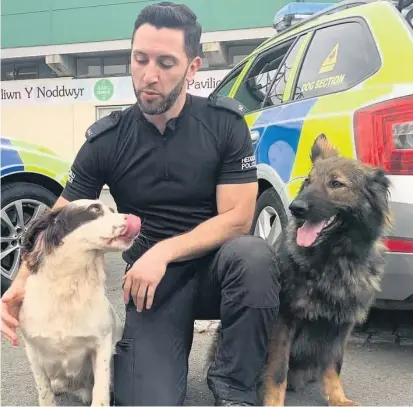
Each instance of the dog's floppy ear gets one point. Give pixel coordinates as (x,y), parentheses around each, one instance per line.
(42,234)
(322,149)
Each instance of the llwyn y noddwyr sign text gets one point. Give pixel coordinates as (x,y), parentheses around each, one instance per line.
(41,92)
(96,91)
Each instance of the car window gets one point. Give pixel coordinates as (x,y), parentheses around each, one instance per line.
(338,58)
(227,83)
(276,92)
(257,82)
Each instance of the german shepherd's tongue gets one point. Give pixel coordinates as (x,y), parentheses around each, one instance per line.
(307,234)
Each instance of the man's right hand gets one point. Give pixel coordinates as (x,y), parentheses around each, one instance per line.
(11,302)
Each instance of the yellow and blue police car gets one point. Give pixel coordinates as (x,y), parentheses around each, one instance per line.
(345,70)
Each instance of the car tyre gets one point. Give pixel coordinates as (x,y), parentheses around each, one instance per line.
(270,217)
(33,199)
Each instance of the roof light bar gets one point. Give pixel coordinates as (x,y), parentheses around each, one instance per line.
(296,11)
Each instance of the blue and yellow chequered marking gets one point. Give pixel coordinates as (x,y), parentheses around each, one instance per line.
(279,143)
(10,158)
(20,156)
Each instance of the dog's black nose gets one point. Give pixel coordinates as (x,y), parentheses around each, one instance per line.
(299,208)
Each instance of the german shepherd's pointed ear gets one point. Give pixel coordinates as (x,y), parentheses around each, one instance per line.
(379,176)
(378,181)
(322,149)
(378,187)
(42,234)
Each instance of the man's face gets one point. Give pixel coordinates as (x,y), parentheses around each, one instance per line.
(160,67)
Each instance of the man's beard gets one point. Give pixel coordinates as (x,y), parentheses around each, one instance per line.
(156,107)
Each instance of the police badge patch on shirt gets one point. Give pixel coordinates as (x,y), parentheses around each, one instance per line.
(71,175)
(248,163)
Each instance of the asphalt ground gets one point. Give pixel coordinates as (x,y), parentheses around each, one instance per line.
(378,365)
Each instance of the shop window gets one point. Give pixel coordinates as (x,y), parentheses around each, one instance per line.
(25,71)
(115,66)
(45,71)
(7,72)
(236,53)
(89,67)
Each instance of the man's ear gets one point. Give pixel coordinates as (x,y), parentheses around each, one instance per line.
(322,149)
(193,68)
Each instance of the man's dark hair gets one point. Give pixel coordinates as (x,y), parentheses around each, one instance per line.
(171,15)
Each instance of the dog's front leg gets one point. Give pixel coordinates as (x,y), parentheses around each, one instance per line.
(277,369)
(332,387)
(101,372)
(45,393)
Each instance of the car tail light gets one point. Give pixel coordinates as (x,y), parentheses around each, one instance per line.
(399,245)
(384,135)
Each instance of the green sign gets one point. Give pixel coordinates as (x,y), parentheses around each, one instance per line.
(103,89)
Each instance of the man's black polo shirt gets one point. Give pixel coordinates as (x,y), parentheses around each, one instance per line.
(168,180)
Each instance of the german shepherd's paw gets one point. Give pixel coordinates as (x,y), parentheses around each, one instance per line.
(342,402)
(272,403)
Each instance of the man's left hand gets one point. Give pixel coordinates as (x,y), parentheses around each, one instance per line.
(143,278)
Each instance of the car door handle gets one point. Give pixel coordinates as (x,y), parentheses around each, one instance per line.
(255,135)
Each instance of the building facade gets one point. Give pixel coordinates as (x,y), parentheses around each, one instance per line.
(66,63)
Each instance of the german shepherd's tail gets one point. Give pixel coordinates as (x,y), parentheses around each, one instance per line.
(210,357)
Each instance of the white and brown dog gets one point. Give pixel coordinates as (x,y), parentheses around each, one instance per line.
(68,324)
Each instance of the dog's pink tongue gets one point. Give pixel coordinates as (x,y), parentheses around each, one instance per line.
(307,234)
(133,225)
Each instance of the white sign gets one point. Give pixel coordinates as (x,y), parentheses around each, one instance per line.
(98,90)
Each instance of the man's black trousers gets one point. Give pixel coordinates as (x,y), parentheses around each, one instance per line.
(238,284)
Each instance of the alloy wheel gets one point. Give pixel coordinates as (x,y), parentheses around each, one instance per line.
(14,219)
(268,225)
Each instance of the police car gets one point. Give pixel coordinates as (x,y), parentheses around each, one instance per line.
(32,177)
(345,70)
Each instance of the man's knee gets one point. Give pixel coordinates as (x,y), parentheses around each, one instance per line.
(253,252)
(249,272)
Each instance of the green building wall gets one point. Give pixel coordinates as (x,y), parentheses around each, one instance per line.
(26,23)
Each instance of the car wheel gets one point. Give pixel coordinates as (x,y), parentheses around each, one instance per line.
(270,217)
(20,203)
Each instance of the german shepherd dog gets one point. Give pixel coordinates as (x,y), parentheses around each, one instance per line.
(331,263)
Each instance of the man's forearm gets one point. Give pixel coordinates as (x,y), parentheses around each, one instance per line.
(206,237)
(22,274)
